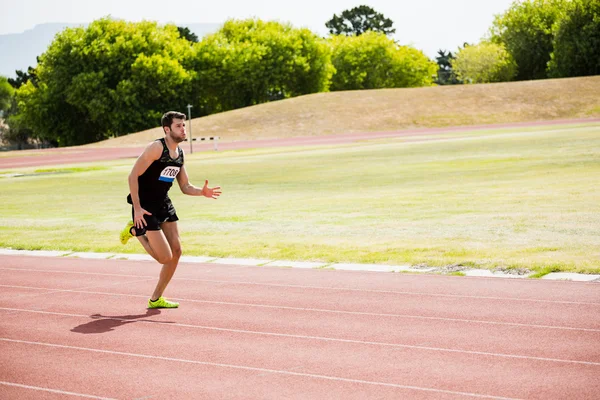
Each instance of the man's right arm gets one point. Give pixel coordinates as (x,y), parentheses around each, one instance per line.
(152,152)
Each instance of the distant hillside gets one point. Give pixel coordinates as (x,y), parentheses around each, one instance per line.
(23,48)
(20,50)
(396,109)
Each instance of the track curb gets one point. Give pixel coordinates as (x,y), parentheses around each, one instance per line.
(469,272)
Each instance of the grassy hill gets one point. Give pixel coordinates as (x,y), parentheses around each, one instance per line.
(396,109)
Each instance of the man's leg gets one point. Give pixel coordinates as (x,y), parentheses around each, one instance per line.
(146,245)
(130,231)
(170,233)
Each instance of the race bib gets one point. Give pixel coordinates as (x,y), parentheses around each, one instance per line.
(168,174)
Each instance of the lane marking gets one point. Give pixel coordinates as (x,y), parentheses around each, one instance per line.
(53,291)
(323,310)
(319,287)
(43,389)
(321,338)
(73,272)
(379,291)
(257,369)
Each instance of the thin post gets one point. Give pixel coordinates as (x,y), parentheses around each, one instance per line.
(189,107)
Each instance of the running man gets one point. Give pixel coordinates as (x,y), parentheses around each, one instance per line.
(154,217)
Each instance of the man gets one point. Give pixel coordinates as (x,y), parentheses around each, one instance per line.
(154,217)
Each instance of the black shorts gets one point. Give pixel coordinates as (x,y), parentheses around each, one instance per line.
(164,212)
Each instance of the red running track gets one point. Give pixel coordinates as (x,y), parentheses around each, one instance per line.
(82,154)
(72,327)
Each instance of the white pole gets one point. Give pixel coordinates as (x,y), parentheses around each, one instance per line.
(189,107)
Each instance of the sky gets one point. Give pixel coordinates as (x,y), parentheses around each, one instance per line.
(428,25)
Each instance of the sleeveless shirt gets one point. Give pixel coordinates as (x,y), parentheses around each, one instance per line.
(155,182)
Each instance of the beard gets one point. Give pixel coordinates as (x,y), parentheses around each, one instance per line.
(176,138)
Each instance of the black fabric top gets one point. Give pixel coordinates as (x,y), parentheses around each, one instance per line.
(155,182)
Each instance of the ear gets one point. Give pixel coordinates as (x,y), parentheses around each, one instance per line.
(166,129)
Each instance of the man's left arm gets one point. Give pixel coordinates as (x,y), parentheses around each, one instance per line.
(191,190)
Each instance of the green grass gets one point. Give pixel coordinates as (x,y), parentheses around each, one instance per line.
(67,170)
(511,199)
(547,269)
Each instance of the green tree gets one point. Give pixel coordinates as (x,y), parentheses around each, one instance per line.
(94,83)
(577,41)
(15,130)
(6,94)
(525,30)
(359,20)
(251,62)
(373,61)
(157,83)
(188,35)
(23,77)
(484,63)
(445,74)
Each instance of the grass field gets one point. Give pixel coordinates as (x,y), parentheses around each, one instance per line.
(524,199)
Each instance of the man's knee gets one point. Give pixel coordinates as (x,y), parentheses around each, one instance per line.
(172,255)
(176,252)
(165,258)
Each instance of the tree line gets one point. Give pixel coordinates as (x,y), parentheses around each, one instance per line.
(116,77)
(533,39)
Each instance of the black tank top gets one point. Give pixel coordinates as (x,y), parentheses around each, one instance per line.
(155,182)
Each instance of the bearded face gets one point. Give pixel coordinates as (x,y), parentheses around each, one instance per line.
(177,130)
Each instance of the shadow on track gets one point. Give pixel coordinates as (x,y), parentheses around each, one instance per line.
(103,324)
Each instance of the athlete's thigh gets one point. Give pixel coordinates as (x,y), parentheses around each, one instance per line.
(172,234)
(159,244)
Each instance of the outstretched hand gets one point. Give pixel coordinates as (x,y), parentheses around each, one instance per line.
(211,192)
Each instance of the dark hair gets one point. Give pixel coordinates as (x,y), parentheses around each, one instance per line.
(168,117)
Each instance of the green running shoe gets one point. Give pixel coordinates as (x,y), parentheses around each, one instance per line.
(125,234)
(162,303)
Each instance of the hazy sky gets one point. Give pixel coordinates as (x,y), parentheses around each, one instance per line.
(428,25)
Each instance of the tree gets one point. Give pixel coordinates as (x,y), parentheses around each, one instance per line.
(445,74)
(484,63)
(577,41)
(14,130)
(373,61)
(525,30)
(6,94)
(185,33)
(250,62)
(11,129)
(23,77)
(358,21)
(93,83)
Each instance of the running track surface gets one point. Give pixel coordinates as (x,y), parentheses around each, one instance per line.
(72,327)
(82,154)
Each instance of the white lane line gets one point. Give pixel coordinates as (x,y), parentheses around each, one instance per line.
(322,338)
(43,389)
(257,369)
(55,291)
(379,291)
(424,294)
(323,310)
(72,272)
